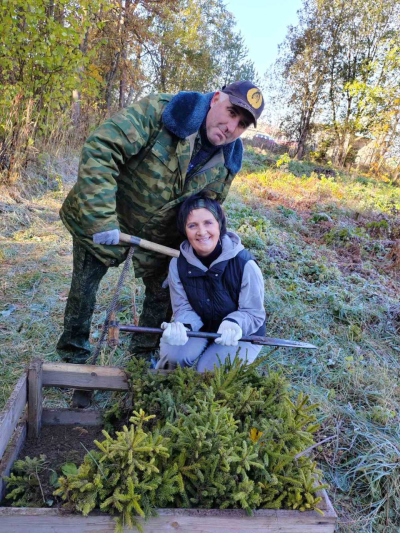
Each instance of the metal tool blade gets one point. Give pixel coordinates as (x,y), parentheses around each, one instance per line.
(254,339)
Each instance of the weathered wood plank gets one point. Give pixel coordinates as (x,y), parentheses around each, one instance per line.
(89,377)
(323,503)
(326,505)
(11,454)
(12,412)
(81,417)
(35,399)
(169,520)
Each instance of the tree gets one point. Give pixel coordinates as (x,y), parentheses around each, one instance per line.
(230,55)
(127,32)
(360,77)
(337,67)
(40,62)
(65,64)
(182,58)
(198,49)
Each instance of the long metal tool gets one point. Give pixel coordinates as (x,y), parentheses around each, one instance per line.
(254,339)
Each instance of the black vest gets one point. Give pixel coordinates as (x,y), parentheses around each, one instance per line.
(214,294)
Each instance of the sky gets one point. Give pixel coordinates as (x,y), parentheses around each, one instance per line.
(263,24)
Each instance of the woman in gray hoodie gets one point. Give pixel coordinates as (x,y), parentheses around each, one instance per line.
(215,286)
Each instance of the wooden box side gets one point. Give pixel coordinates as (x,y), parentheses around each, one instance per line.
(11,454)
(12,412)
(89,377)
(168,520)
(41,520)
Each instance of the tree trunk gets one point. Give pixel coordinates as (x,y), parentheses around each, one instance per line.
(110,77)
(304,132)
(124,50)
(76,108)
(301,147)
(76,94)
(396,175)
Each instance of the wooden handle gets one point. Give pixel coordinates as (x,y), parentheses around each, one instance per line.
(113,331)
(148,245)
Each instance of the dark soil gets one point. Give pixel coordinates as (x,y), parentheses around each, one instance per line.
(61,444)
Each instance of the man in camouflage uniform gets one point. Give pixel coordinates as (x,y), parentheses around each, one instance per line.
(134,172)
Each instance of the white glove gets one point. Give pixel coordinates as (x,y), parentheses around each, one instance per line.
(107,237)
(175,333)
(230,333)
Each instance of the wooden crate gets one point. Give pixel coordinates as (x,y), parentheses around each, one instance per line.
(22,418)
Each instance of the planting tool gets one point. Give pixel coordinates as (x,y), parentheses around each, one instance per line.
(115,328)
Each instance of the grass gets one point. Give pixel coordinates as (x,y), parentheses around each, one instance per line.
(327,249)
(35,274)
(331,280)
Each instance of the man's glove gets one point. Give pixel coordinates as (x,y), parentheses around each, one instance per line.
(107,237)
(230,333)
(175,333)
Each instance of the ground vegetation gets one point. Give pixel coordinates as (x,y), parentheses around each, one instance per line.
(229,439)
(328,246)
(67,65)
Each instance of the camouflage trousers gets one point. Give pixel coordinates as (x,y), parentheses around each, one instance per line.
(73,345)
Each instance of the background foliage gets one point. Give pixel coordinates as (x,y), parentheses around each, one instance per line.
(336,79)
(65,65)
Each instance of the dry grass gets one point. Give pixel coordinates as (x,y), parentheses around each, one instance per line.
(332,278)
(331,274)
(35,273)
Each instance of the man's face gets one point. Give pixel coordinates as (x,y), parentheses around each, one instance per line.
(225,122)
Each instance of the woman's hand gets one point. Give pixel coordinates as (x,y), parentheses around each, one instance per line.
(230,333)
(174,333)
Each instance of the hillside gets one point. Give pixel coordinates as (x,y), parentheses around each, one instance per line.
(329,248)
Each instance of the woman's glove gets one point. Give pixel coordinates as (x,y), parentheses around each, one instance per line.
(107,237)
(230,333)
(174,333)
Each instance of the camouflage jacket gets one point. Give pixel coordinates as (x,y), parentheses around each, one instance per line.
(132,176)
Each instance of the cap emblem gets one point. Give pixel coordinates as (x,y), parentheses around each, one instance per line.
(254,97)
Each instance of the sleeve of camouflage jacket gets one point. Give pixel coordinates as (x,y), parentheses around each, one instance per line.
(183,311)
(105,151)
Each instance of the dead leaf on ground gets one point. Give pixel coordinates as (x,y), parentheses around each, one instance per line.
(80,430)
(394,254)
(63,296)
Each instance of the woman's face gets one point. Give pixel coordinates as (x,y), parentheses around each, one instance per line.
(202,231)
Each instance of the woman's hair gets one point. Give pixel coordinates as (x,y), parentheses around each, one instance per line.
(198,201)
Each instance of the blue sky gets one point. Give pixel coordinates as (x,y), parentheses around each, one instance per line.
(263,24)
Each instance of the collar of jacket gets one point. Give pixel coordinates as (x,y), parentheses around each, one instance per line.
(184,115)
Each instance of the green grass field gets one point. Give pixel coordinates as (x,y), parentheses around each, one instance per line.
(329,248)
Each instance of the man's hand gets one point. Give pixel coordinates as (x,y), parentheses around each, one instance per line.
(174,334)
(107,237)
(230,333)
